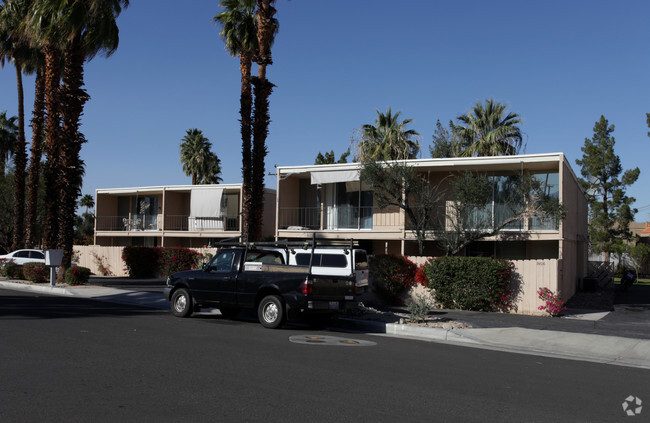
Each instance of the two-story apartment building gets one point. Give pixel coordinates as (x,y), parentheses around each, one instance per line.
(332,201)
(181,215)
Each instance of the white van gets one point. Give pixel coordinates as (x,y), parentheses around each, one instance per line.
(334,261)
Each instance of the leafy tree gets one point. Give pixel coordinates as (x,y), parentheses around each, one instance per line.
(330,158)
(488,131)
(446,143)
(639,255)
(469,217)
(8,134)
(198,160)
(397,184)
(609,207)
(388,139)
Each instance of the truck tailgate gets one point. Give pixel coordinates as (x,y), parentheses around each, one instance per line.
(332,288)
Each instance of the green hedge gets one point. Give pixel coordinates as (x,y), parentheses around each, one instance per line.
(146,262)
(391,276)
(11,270)
(471,283)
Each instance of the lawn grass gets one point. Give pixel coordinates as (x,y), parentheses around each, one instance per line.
(645,282)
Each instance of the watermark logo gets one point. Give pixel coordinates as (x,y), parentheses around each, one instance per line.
(632,406)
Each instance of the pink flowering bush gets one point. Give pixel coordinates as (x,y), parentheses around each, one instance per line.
(391,276)
(77,275)
(176,259)
(553,303)
(36,272)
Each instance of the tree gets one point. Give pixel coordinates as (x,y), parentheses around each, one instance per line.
(248,30)
(8,134)
(238,22)
(488,131)
(388,139)
(639,255)
(397,184)
(198,160)
(446,143)
(610,208)
(470,215)
(329,158)
(87,201)
(267,28)
(80,29)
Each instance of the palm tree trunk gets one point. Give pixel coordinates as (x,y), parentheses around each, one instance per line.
(73,97)
(245,110)
(20,162)
(52,130)
(31,239)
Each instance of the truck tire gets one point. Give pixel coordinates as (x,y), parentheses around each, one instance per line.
(270,312)
(181,303)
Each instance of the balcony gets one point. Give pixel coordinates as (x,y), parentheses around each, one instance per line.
(344,217)
(171,223)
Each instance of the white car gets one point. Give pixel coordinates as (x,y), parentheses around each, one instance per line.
(25,256)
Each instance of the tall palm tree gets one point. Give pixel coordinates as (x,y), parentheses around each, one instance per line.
(197,158)
(87,201)
(14,46)
(8,134)
(388,139)
(488,131)
(267,28)
(82,29)
(238,22)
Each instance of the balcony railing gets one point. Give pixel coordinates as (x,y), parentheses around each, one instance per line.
(335,218)
(171,223)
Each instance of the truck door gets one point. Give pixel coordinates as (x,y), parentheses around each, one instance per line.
(218,283)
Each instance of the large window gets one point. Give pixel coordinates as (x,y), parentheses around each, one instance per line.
(551,186)
(349,206)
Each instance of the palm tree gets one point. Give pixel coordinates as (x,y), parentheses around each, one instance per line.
(87,201)
(8,134)
(488,131)
(197,158)
(388,139)
(267,28)
(238,23)
(82,29)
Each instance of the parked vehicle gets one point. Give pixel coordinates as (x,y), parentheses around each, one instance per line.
(335,261)
(628,279)
(257,277)
(21,257)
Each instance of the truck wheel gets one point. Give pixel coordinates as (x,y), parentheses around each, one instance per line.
(181,303)
(270,312)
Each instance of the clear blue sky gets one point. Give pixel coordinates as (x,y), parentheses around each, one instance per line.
(559,64)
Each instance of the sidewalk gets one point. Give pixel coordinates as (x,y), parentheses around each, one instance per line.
(588,337)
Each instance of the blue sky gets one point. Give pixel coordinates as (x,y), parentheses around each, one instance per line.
(559,64)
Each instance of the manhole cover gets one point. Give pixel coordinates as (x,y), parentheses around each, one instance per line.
(330,340)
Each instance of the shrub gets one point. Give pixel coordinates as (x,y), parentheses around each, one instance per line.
(103,269)
(471,283)
(175,259)
(391,276)
(77,275)
(553,303)
(12,270)
(36,272)
(141,262)
(420,307)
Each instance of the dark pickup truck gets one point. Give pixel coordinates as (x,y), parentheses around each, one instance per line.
(256,278)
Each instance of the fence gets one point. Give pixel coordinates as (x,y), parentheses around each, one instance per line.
(91,256)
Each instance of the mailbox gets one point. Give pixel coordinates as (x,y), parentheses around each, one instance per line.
(53,258)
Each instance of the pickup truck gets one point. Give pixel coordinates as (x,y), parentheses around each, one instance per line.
(256,278)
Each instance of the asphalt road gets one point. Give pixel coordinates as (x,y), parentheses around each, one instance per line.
(72,360)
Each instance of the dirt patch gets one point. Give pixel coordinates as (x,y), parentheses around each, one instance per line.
(373,314)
